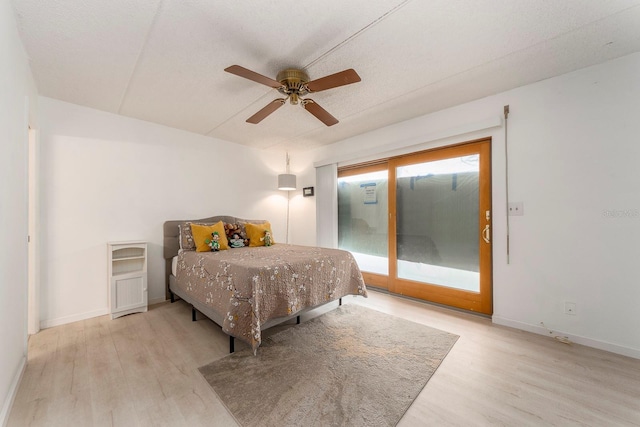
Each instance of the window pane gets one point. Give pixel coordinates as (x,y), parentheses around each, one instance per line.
(363,220)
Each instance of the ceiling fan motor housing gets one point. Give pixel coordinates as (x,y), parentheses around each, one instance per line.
(294,81)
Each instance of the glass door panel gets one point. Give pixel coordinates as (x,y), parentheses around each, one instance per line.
(440,223)
(437,227)
(363,219)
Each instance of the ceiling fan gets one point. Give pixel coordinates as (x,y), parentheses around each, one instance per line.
(295,83)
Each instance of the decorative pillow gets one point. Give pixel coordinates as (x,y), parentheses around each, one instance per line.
(256,234)
(186,237)
(203,234)
(236,235)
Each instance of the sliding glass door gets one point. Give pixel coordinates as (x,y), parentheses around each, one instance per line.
(441,226)
(420,224)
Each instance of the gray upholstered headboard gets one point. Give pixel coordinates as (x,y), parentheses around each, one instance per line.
(172,234)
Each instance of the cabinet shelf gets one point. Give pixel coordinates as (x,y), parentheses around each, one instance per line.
(127,271)
(128,258)
(125,250)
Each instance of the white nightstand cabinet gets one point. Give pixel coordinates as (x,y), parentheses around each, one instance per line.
(127,278)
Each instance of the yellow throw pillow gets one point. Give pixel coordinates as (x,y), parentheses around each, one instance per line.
(203,233)
(256,232)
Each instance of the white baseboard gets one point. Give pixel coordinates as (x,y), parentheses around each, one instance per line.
(157,300)
(73,318)
(13,390)
(87,315)
(589,342)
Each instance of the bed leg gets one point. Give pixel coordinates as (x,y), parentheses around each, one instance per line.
(193,314)
(340,301)
(298,320)
(173,297)
(231,344)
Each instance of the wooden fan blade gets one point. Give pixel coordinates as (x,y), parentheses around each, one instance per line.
(321,114)
(342,78)
(270,108)
(252,75)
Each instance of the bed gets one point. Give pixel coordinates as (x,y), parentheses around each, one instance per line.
(246,290)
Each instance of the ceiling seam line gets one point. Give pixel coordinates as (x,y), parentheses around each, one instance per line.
(237,114)
(338,46)
(353,36)
(360,31)
(303,134)
(480,65)
(142,49)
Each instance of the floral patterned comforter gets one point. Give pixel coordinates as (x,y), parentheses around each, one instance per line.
(252,285)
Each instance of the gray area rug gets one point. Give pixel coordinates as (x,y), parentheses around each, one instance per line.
(349,367)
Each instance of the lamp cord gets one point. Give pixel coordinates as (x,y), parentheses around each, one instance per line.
(287,235)
(288,197)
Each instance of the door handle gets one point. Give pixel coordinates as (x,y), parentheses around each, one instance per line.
(486,233)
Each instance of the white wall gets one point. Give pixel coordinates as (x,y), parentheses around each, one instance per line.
(107,177)
(574,163)
(18,93)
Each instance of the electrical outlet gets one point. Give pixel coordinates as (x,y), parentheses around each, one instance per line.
(516,208)
(570,308)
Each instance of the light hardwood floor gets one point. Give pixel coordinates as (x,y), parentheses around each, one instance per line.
(141,370)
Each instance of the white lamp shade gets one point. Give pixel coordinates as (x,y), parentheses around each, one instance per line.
(287,182)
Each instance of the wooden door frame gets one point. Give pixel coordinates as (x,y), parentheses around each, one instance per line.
(479,302)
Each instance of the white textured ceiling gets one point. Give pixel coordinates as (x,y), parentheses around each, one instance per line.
(163,60)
